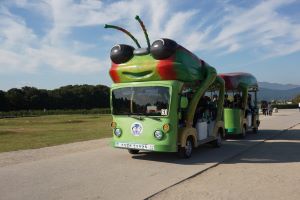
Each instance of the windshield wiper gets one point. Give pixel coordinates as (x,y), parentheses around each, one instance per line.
(136,116)
(151,116)
(154,118)
(141,116)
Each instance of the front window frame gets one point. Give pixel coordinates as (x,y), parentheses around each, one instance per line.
(140,86)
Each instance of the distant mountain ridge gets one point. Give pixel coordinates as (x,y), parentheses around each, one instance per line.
(276,91)
(277,86)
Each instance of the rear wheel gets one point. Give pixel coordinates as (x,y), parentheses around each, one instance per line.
(255,130)
(243,133)
(218,142)
(133,151)
(186,152)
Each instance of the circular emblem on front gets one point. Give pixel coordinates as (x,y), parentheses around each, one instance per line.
(136,128)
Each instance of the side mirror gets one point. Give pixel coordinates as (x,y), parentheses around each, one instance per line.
(184,102)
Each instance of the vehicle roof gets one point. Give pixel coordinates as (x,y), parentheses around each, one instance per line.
(236,80)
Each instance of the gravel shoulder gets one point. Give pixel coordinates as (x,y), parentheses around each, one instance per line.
(22,156)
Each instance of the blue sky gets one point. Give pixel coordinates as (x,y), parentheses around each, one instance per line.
(51,43)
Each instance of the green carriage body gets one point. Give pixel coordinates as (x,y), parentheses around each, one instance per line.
(147,97)
(237,120)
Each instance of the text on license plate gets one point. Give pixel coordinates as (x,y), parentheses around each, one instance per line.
(135,146)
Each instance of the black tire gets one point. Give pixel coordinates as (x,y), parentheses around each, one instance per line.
(186,152)
(243,133)
(133,151)
(255,130)
(218,142)
(258,123)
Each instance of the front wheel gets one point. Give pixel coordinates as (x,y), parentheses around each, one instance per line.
(186,152)
(133,151)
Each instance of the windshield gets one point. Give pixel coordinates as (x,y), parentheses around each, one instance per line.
(151,100)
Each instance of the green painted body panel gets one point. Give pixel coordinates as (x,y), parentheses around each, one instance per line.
(232,120)
(238,82)
(139,68)
(153,123)
(210,78)
(188,67)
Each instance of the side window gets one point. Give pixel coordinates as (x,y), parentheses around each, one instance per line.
(233,99)
(186,93)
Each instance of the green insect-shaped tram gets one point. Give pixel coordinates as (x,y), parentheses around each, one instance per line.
(241,114)
(160,98)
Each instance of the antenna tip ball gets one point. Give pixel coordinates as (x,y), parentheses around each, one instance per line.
(137,17)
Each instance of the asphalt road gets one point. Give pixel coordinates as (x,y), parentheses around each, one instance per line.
(269,170)
(97,171)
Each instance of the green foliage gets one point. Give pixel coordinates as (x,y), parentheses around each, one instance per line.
(296,100)
(67,97)
(285,106)
(34,113)
(37,132)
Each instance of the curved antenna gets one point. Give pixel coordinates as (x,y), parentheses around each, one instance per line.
(124,31)
(144,29)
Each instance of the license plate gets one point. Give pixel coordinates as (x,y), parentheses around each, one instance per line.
(135,146)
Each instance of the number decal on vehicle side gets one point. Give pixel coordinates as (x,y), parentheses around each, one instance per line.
(164,111)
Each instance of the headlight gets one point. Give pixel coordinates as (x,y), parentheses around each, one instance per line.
(118,132)
(158,134)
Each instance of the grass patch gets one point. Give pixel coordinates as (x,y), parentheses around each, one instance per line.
(43,131)
(34,113)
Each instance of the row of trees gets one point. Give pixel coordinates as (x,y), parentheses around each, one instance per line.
(67,97)
(296,100)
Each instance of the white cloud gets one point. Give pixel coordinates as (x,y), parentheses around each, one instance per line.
(226,28)
(14,32)
(23,51)
(67,15)
(11,62)
(65,61)
(174,26)
(259,27)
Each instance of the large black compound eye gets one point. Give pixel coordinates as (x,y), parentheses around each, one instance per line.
(163,48)
(121,53)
